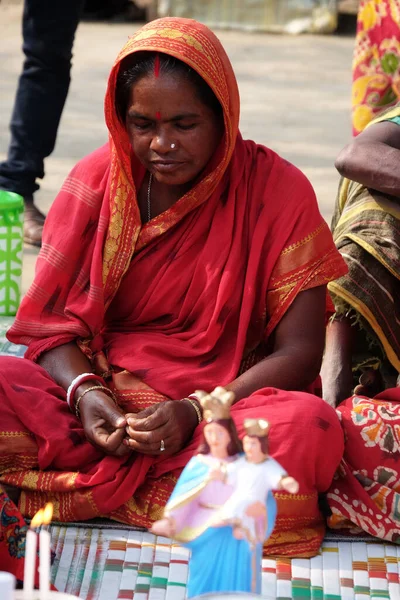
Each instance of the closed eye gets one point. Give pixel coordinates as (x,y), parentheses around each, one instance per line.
(142,126)
(186,126)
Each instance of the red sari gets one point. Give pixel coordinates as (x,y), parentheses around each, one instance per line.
(183,302)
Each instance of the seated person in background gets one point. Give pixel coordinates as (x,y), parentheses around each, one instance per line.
(363,339)
(176,257)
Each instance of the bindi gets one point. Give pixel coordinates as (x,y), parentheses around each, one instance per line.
(158,116)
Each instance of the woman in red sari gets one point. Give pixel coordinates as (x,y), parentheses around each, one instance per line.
(176,257)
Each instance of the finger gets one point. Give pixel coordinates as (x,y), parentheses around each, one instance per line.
(112,415)
(143,414)
(170,447)
(146,412)
(150,437)
(109,441)
(123,450)
(150,423)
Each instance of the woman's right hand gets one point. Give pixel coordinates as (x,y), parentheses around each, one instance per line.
(104,423)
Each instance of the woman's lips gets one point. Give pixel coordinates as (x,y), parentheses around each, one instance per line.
(166,166)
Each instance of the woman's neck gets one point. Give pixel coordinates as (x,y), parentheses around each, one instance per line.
(167,195)
(156,198)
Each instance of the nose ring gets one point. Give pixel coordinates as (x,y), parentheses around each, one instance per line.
(172,146)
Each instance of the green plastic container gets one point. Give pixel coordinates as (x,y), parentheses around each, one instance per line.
(11,242)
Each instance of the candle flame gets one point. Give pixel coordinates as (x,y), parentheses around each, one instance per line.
(43,516)
(47,513)
(37,519)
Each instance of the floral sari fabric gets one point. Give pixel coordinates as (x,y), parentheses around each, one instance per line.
(376,63)
(365,495)
(12,537)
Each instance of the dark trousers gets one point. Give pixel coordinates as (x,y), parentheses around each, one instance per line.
(48,30)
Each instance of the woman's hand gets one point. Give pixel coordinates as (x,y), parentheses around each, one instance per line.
(172,422)
(104,423)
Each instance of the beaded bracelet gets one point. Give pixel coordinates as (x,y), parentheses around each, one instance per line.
(103,388)
(75,383)
(194,403)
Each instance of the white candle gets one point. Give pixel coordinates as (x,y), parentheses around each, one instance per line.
(7,585)
(44,553)
(30,561)
(44,563)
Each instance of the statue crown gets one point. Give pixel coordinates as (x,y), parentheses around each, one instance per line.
(217,404)
(256,427)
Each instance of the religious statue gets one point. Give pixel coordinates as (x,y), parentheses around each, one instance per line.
(222,507)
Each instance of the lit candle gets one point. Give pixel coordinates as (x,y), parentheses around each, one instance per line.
(30,554)
(44,552)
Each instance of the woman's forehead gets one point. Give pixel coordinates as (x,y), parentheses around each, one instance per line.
(170,95)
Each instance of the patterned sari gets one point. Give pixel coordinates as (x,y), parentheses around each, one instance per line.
(186,301)
(365,495)
(12,538)
(366,231)
(376,62)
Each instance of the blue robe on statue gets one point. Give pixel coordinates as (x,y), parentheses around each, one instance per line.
(219,562)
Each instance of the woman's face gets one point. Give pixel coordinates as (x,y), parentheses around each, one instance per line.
(217,437)
(171,131)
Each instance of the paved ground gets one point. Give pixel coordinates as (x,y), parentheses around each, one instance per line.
(295,98)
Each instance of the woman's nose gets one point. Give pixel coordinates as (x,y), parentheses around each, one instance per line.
(160,143)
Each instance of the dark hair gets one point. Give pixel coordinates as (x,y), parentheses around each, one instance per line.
(234,446)
(140,64)
(263,442)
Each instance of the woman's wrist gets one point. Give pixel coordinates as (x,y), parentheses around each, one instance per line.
(196,406)
(88,389)
(77,383)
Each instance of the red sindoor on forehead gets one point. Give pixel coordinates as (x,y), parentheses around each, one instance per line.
(156,74)
(157,66)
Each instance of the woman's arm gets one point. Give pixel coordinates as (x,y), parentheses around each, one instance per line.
(373,158)
(64,363)
(297,352)
(104,423)
(336,372)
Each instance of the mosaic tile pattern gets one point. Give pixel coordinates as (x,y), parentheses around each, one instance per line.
(105,563)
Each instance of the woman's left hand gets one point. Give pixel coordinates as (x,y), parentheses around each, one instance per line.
(172,422)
